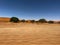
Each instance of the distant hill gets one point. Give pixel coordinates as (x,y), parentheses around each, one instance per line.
(4,19)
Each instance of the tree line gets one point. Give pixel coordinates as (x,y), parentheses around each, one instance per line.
(16,20)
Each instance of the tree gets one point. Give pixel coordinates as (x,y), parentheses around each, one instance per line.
(50,22)
(14,19)
(23,20)
(32,21)
(42,21)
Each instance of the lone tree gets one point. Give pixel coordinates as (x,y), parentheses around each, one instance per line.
(42,21)
(50,22)
(14,19)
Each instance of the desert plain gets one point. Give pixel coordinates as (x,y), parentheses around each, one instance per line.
(29,34)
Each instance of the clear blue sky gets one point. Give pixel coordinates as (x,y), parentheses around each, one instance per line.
(30,9)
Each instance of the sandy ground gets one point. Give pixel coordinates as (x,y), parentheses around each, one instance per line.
(29,34)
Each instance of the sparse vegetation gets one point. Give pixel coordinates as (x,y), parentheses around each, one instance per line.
(50,22)
(32,21)
(23,20)
(58,22)
(15,20)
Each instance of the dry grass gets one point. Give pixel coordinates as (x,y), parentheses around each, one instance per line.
(4,19)
(29,34)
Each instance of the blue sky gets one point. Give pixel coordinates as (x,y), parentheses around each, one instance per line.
(30,9)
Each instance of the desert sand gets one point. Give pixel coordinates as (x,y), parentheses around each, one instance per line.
(29,34)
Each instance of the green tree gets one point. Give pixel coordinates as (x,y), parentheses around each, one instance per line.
(14,19)
(42,21)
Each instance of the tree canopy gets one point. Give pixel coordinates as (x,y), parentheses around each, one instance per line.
(42,20)
(14,19)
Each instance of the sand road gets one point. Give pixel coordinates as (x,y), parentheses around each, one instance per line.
(29,34)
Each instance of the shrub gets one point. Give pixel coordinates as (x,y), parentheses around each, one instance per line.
(37,21)
(23,20)
(14,19)
(32,21)
(42,21)
(50,22)
(58,22)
